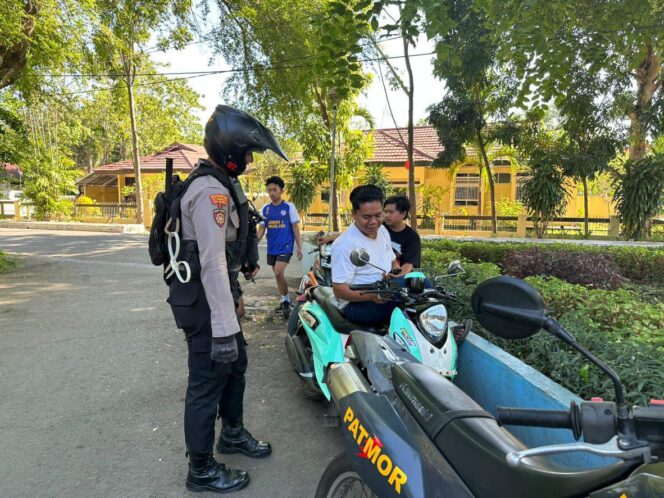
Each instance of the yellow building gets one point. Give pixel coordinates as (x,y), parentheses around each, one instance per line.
(454,191)
(105,183)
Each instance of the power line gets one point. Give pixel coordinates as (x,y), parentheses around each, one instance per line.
(219,71)
(198,74)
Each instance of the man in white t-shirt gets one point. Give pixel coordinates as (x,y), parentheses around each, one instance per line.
(367,232)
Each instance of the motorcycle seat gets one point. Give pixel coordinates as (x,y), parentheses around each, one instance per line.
(476,446)
(324,296)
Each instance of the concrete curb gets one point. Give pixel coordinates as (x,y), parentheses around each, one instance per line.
(74,227)
(515,240)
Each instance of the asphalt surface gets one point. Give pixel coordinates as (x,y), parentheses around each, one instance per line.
(93,377)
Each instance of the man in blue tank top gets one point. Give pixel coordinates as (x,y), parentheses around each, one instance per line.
(283,232)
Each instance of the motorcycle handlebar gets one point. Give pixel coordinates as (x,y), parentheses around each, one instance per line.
(363,287)
(561,419)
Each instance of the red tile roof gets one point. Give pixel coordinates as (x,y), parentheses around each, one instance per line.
(389,145)
(11,170)
(184,157)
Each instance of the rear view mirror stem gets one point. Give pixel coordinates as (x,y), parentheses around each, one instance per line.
(626,427)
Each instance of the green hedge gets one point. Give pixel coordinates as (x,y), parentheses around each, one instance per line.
(640,264)
(624,327)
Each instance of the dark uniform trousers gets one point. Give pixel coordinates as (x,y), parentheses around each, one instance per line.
(214,389)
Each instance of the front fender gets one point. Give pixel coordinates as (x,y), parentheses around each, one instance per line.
(326,343)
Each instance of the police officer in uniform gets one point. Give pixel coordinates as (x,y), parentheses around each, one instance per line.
(219,242)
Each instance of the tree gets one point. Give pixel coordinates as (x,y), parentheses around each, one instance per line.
(544,193)
(640,194)
(408,26)
(38,35)
(166,117)
(480,93)
(125,26)
(298,63)
(12,132)
(590,143)
(373,175)
(303,183)
(621,41)
(52,128)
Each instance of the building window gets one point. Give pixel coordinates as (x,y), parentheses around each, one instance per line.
(502,178)
(501,162)
(401,188)
(467,189)
(130,181)
(325,195)
(520,178)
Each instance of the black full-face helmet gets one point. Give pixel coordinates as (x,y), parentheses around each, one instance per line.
(230,134)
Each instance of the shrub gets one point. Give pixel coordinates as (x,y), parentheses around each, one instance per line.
(436,262)
(640,194)
(619,326)
(641,372)
(7,263)
(88,212)
(620,313)
(641,264)
(586,268)
(63,210)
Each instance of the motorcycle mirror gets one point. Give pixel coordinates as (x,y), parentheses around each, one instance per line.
(360,257)
(508,307)
(455,268)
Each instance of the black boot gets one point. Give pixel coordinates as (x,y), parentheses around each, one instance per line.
(206,474)
(234,438)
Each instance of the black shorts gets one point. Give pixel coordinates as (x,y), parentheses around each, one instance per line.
(273,258)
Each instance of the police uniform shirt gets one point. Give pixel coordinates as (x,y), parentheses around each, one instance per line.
(210,218)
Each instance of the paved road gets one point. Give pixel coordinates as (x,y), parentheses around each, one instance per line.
(93,376)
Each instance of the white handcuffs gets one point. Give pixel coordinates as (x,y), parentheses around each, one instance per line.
(174,266)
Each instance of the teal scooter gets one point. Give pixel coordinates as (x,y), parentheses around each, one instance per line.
(319,335)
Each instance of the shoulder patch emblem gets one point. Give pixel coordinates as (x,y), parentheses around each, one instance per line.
(219,217)
(219,200)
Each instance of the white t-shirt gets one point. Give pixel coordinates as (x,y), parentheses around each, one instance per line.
(379,249)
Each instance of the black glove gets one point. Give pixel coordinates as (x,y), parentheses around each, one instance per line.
(224,349)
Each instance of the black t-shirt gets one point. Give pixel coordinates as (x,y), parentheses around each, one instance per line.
(406,245)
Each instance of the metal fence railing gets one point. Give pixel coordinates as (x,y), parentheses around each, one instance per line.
(105,211)
(16,209)
(478,223)
(598,227)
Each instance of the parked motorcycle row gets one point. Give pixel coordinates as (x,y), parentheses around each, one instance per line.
(410,431)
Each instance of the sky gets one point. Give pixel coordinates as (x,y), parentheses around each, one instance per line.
(428,90)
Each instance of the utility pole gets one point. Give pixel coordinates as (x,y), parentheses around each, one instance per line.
(333,194)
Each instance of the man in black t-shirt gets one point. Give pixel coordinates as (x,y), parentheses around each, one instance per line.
(405,241)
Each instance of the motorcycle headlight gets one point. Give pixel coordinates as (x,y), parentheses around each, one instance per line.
(326,250)
(433,322)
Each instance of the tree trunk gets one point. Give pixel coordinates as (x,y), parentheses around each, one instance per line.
(492,189)
(585,207)
(13,58)
(134,139)
(646,76)
(411,139)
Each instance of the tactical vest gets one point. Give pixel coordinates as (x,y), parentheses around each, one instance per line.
(242,253)
(238,252)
